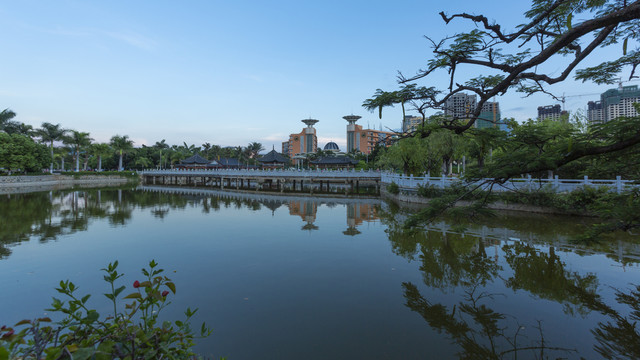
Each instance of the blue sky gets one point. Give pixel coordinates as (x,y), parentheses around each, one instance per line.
(226,72)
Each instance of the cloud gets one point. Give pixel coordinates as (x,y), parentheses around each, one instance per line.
(255,78)
(275,137)
(133,39)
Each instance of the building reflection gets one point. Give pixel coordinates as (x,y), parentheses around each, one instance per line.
(357,214)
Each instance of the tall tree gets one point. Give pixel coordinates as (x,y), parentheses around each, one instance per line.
(78,141)
(162,146)
(121,145)
(100,150)
(549,34)
(5,117)
(49,133)
(253,149)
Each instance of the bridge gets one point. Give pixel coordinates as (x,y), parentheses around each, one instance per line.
(350,181)
(347,181)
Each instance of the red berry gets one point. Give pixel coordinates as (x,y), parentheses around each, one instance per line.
(136,284)
(165,293)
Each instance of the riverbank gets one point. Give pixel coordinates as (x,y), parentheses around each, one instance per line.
(414,199)
(23,184)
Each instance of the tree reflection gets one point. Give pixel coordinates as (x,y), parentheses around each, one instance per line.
(480,331)
(620,337)
(544,275)
(453,261)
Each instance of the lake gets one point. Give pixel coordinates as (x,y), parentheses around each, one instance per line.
(316,278)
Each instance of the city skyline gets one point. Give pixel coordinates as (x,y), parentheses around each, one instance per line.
(228,74)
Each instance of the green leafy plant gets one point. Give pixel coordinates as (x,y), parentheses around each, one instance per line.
(134,332)
(393,188)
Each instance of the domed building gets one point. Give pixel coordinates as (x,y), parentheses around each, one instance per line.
(331,146)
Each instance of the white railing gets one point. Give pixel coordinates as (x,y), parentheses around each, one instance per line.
(325,173)
(559,185)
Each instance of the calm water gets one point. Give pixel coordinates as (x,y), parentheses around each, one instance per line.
(303,278)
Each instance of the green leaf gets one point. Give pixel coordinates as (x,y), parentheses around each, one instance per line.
(92,316)
(171,287)
(134,295)
(83,353)
(569,21)
(4,353)
(119,290)
(85,298)
(624,46)
(53,353)
(22,322)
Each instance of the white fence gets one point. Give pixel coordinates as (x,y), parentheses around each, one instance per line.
(325,173)
(559,185)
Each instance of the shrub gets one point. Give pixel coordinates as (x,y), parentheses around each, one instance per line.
(429,191)
(587,197)
(132,333)
(393,188)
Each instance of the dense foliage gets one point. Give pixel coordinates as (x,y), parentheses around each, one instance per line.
(19,153)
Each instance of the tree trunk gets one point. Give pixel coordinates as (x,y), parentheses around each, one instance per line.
(99,162)
(77,161)
(120,162)
(51,166)
(480,162)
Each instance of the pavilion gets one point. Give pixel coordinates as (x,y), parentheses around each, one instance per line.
(273,160)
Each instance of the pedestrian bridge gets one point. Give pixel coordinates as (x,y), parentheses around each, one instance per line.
(295,180)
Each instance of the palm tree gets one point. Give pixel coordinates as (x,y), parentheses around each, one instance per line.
(50,133)
(121,144)
(5,117)
(78,141)
(161,145)
(253,149)
(100,150)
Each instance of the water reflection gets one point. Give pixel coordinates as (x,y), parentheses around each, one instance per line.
(459,262)
(514,286)
(48,215)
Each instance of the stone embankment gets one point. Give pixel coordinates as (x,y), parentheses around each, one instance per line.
(19,184)
(419,201)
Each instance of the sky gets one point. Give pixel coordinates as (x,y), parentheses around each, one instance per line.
(230,72)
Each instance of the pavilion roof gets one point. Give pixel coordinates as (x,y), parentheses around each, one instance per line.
(195,159)
(273,156)
(229,162)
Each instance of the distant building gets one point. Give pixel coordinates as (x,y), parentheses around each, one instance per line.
(365,140)
(334,162)
(411,123)
(460,105)
(595,115)
(490,117)
(273,160)
(550,112)
(304,142)
(619,102)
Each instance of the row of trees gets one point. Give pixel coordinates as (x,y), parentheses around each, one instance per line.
(489,152)
(27,149)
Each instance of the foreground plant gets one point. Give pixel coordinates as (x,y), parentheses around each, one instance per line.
(132,333)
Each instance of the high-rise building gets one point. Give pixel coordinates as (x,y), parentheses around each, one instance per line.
(303,142)
(460,105)
(490,116)
(619,102)
(411,123)
(365,140)
(550,112)
(595,115)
